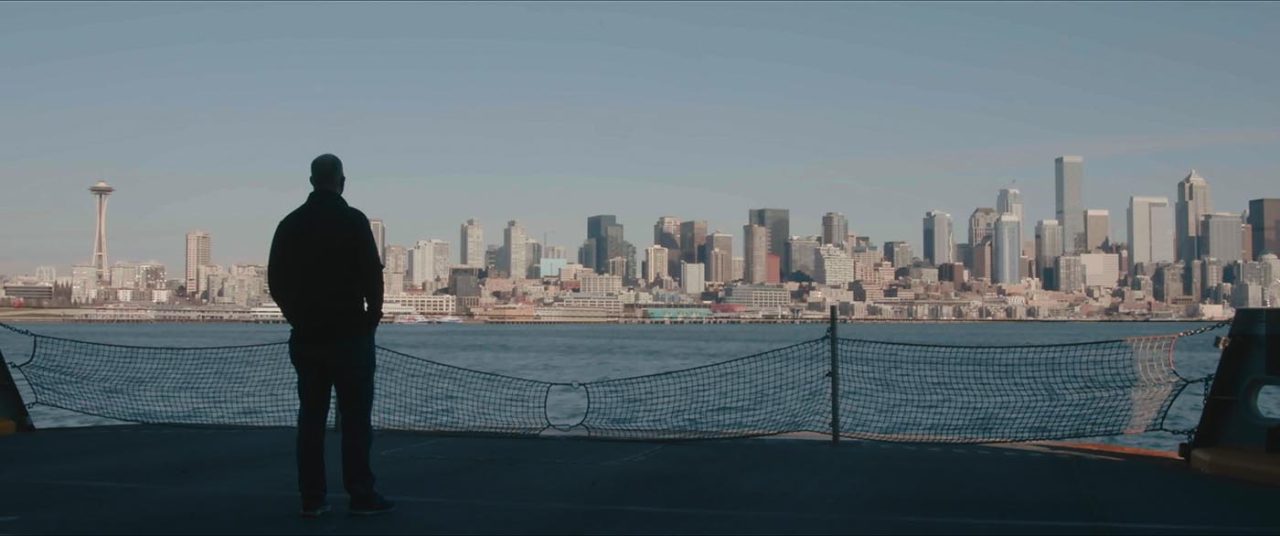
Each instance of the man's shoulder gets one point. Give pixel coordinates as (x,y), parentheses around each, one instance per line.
(357,216)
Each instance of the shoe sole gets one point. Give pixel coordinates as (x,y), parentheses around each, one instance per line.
(369,513)
(312,514)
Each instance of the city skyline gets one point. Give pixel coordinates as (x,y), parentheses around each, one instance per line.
(861,109)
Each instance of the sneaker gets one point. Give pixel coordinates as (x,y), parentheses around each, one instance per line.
(372,506)
(314,510)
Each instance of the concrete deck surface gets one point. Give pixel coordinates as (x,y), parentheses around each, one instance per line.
(154,479)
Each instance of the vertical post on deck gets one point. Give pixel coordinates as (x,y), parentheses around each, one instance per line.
(835,378)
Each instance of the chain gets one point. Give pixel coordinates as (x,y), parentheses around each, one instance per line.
(17,330)
(1204,329)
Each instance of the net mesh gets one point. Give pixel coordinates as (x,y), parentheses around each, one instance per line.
(887,391)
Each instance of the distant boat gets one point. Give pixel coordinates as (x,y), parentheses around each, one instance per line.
(450,320)
(420,319)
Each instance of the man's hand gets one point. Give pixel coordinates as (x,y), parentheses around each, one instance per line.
(373,318)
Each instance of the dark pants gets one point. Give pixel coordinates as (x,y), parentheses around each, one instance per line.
(347,365)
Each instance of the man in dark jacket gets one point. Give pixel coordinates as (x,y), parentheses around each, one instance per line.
(326,276)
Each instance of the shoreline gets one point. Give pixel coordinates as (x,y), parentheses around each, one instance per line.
(46,319)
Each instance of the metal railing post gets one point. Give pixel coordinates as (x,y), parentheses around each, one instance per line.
(835,378)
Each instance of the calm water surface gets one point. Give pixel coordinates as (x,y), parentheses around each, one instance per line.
(581,353)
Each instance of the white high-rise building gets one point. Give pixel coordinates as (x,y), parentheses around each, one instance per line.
(1100,269)
(655,263)
(514,251)
(1150,230)
(834,267)
(199,253)
(471,244)
(428,261)
(692,278)
(1193,203)
(939,244)
(1007,252)
(1068,179)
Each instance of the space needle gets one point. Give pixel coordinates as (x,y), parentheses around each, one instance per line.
(100,191)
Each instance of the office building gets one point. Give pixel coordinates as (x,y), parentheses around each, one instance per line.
(1193,203)
(778,222)
(898,253)
(1007,250)
(1068,179)
(513,261)
(1069,273)
(834,267)
(1048,247)
(755,242)
(1264,221)
(1100,269)
(803,251)
(1218,237)
(938,241)
(379,230)
(692,278)
(1150,230)
(835,229)
(655,263)
(199,253)
(693,238)
(471,242)
(607,234)
(1097,229)
(719,266)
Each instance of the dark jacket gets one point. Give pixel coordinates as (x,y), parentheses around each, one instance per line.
(324,269)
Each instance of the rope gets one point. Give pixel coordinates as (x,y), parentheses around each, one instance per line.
(888,391)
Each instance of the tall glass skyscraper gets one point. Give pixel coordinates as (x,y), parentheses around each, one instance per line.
(1150,230)
(1008,250)
(778,222)
(1193,204)
(1068,175)
(938,240)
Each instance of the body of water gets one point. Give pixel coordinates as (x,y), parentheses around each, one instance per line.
(582,353)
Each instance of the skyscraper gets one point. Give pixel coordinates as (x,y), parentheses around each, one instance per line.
(655,263)
(1068,176)
(1009,201)
(1150,230)
(1048,246)
(719,251)
(100,191)
(666,232)
(803,251)
(898,253)
(1219,237)
(938,241)
(692,278)
(778,222)
(755,242)
(471,244)
(693,237)
(1097,228)
(1008,250)
(513,261)
(199,253)
(1264,220)
(1193,204)
(835,228)
(379,238)
(607,233)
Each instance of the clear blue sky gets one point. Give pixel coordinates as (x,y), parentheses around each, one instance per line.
(206,115)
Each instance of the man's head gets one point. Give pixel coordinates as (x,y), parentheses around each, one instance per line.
(326,173)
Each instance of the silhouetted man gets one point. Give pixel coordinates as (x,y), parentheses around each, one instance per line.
(326,276)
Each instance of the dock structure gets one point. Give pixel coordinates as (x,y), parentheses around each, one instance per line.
(172,480)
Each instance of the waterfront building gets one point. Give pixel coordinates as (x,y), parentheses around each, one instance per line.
(1264,222)
(758,296)
(123,275)
(778,222)
(600,284)
(1048,247)
(938,241)
(379,230)
(803,251)
(1150,230)
(199,253)
(755,241)
(835,230)
(693,237)
(655,263)
(692,278)
(1219,237)
(471,244)
(1193,203)
(1007,250)
(46,274)
(84,283)
(1068,184)
(1097,229)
